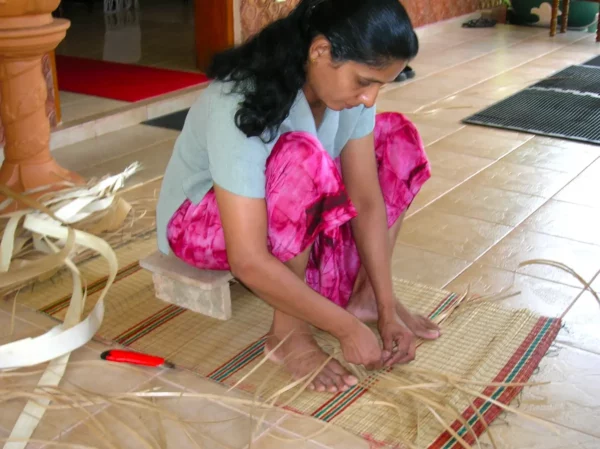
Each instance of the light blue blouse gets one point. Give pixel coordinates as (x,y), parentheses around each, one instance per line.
(211,149)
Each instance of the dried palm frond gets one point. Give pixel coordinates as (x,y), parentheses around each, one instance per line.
(47,226)
(426,392)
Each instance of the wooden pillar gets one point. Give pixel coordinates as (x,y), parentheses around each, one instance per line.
(214,29)
(27,32)
(56,91)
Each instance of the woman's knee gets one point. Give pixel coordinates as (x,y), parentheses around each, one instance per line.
(399,146)
(402,162)
(393,126)
(293,152)
(299,168)
(305,194)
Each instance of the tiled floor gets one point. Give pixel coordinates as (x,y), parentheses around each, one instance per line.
(155,33)
(496,198)
(75,107)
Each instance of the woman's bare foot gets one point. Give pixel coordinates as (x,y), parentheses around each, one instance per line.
(301,355)
(364,307)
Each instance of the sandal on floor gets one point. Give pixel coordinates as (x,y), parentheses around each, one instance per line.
(405,74)
(409,72)
(480,23)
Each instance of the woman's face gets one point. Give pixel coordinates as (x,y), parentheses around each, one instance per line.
(345,85)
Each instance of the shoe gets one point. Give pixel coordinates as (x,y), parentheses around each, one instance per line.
(480,23)
(405,74)
(401,77)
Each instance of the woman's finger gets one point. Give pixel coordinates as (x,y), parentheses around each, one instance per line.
(375,364)
(388,342)
(406,346)
(399,354)
(412,348)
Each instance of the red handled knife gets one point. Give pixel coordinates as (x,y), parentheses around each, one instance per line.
(135,358)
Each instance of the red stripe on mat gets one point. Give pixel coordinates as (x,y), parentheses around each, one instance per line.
(370,383)
(509,393)
(124,82)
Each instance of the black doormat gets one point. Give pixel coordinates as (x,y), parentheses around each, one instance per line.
(593,62)
(171,121)
(565,105)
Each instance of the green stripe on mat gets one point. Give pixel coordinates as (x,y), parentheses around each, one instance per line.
(149,324)
(341,401)
(241,360)
(444,305)
(94,287)
(516,370)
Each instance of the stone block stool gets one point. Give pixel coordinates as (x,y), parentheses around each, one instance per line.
(202,291)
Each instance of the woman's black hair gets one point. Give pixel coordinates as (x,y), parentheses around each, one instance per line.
(270,68)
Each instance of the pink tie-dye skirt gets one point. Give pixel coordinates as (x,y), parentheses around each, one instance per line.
(307,204)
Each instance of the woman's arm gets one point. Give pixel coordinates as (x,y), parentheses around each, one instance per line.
(370,229)
(245,226)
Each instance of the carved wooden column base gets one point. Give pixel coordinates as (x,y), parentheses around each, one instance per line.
(28,176)
(28,163)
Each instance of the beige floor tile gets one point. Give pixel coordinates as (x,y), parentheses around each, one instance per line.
(71,97)
(431,130)
(451,235)
(570,398)
(424,91)
(404,106)
(153,162)
(187,422)
(87,373)
(39,320)
(516,79)
(87,107)
(425,267)
(541,296)
(453,108)
(434,188)
(119,119)
(496,89)
(83,155)
(583,189)
(189,381)
(79,132)
(488,204)
(455,166)
(12,328)
(482,142)
(566,144)
(279,439)
(523,179)
(332,437)
(567,220)
(522,245)
(542,155)
(581,325)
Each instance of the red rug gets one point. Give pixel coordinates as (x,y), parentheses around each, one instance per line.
(118,81)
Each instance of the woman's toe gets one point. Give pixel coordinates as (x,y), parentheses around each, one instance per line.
(350,380)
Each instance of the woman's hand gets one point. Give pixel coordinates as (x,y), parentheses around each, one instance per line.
(399,343)
(361,347)
(419,325)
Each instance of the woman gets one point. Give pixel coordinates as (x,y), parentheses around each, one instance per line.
(284,175)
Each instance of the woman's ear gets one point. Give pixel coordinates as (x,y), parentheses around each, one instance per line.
(319,48)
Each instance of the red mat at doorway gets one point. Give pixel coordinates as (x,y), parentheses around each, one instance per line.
(118,81)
